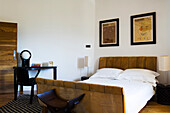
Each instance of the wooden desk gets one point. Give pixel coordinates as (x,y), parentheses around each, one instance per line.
(33,68)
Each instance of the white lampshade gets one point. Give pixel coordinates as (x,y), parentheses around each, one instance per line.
(86,61)
(164,63)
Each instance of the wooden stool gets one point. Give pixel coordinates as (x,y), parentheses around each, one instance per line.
(56,104)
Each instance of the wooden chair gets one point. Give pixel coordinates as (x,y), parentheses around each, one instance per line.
(56,104)
(22,79)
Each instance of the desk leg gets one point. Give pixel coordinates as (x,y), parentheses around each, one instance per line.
(15,85)
(54,73)
(21,89)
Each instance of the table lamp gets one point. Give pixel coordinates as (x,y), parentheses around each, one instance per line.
(164,64)
(86,64)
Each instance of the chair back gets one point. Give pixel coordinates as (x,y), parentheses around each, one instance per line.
(22,76)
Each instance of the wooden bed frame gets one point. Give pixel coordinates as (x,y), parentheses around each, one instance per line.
(129,62)
(98,98)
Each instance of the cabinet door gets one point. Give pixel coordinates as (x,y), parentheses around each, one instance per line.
(8,49)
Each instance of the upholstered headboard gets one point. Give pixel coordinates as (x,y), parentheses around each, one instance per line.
(144,62)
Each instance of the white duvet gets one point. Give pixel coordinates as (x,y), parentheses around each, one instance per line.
(137,93)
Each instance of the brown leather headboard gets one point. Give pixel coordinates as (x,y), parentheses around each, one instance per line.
(129,62)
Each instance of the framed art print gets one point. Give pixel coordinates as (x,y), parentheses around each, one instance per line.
(109,32)
(143,29)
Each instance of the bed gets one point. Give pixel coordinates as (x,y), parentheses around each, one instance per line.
(107,95)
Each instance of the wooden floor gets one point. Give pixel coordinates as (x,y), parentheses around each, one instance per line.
(5,98)
(151,107)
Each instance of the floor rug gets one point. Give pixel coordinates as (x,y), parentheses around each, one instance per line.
(22,105)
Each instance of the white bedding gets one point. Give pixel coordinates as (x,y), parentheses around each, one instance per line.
(137,93)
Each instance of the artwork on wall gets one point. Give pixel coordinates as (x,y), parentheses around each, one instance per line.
(143,29)
(109,32)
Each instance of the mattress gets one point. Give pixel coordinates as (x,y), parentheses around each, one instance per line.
(137,93)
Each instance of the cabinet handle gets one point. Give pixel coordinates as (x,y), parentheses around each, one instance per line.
(14,54)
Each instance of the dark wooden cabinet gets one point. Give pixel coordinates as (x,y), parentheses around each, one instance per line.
(163,94)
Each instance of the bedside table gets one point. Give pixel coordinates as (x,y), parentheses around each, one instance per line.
(84,78)
(163,94)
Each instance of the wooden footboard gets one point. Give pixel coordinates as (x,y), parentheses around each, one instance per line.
(98,98)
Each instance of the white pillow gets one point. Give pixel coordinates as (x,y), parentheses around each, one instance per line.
(111,73)
(144,70)
(144,75)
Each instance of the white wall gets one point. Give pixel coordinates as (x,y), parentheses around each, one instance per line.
(57,30)
(168,24)
(168,29)
(53,30)
(123,9)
